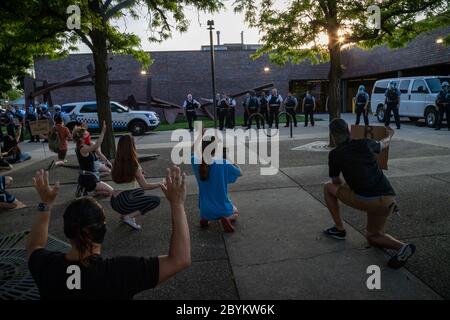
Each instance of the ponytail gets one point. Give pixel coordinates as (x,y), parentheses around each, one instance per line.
(204,167)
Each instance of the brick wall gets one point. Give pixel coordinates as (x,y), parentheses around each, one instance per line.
(176,73)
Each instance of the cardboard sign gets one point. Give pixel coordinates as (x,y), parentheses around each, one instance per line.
(39,127)
(375,133)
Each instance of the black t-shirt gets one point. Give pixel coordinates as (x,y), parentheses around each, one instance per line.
(357,161)
(114,278)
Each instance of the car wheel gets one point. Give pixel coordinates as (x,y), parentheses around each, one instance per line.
(138,128)
(413,119)
(380,113)
(431,117)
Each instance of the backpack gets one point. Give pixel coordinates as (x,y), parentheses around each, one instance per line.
(54,142)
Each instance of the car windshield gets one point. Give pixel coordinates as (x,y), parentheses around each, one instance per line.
(435,84)
(67,109)
(123,107)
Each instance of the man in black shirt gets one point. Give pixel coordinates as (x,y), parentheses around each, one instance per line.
(82,273)
(366,189)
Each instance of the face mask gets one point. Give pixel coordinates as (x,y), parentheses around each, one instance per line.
(87,138)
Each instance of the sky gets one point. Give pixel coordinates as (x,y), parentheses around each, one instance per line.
(226,21)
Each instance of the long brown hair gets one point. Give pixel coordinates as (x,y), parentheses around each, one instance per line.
(126,162)
(204,167)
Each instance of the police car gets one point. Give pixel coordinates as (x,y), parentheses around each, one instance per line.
(123,119)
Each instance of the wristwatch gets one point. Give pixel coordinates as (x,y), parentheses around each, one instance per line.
(43,207)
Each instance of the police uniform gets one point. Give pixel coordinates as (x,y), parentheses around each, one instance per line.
(231,121)
(253,107)
(361,99)
(190,106)
(29,117)
(245,107)
(308,103)
(392,104)
(223,113)
(443,103)
(274,109)
(290,105)
(264,107)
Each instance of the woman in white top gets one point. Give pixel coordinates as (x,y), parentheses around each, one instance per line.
(131,200)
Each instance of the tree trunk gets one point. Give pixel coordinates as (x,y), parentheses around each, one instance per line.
(335,74)
(101,82)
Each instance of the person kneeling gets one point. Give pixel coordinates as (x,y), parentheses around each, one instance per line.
(7,200)
(84,220)
(89,178)
(213,180)
(367,189)
(131,200)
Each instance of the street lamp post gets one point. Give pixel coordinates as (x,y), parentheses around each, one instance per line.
(211,28)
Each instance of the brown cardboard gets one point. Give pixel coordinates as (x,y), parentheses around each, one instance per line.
(39,127)
(376,133)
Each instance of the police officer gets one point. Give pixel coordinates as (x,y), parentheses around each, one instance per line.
(443,103)
(231,121)
(275,102)
(362,103)
(253,108)
(245,107)
(264,106)
(189,106)
(58,112)
(223,106)
(290,105)
(30,116)
(308,107)
(392,103)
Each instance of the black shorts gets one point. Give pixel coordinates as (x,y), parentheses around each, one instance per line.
(88,181)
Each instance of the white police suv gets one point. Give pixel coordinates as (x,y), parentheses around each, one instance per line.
(123,119)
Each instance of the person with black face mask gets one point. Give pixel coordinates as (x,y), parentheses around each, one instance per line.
(443,103)
(253,107)
(120,277)
(392,104)
(291,104)
(264,109)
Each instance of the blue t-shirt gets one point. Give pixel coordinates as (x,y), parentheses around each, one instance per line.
(213,198)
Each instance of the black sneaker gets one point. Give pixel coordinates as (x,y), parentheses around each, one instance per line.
(402,256)
(335,233)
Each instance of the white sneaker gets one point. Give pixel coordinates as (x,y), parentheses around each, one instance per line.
(131,222)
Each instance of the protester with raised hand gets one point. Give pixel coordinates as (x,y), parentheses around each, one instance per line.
(85,226)
(89,178)
(131,201)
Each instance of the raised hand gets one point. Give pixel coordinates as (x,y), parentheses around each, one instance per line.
(41,184)
(174,186)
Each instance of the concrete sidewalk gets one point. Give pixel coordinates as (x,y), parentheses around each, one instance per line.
(278,250)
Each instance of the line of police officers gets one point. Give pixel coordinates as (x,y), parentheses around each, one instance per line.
(392,105)
(268,106)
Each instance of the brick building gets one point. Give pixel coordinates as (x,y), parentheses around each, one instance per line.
(175,73)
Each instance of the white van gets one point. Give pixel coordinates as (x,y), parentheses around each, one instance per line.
(417,100)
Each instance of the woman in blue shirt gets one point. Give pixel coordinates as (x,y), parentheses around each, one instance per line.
(213,180)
